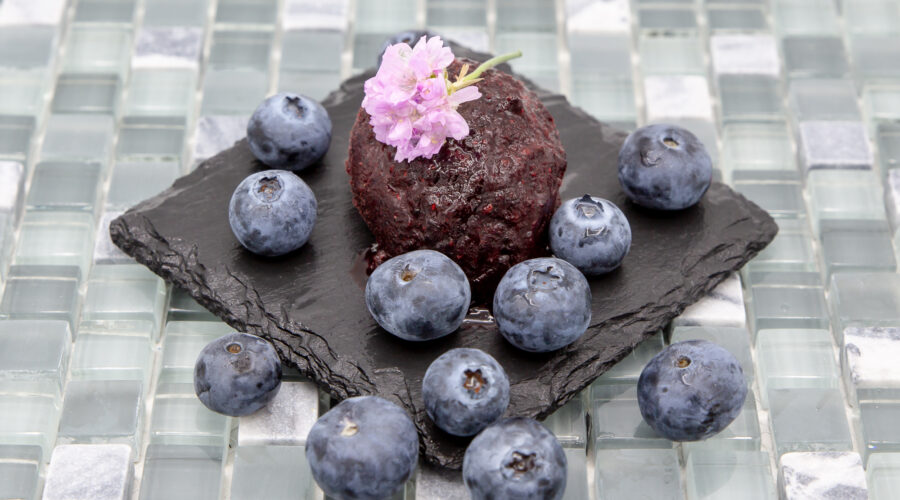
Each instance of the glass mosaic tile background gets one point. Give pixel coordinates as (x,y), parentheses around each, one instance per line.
(104,102)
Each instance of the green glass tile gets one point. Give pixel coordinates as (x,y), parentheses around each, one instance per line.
(866,299)
(242,12)
(795,359)
(133,182)
(161,92)
(26,47)
(240,50)
(86,93)
(111,357)
(729,475)
(672,55)
(635,474)
(95,49)
(64,186)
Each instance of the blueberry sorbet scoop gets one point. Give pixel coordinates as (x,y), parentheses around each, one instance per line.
(664,167)
(365,448)
(237,374)
(691,390)
(289,131)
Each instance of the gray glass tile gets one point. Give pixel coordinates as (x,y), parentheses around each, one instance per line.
(19,470)
(86,93)
(809,420)
(64,186)
(21,92)
(161,92)
(824,99)
(789,307)
(233,91)
(633,474)
(312,51)
(104,11)
(888,140)
(856,245)
(272,472)
(878,424)
(874,57)
(39,298)
(26,47)
(737,19)
(866,298)
(729,475)
(241,12)
(780,199)
(750,97)
(240,50)
(815,56)
(525,16)
(15,136)
(454,14)
(150,138)
(98,49)
(133,182)
(101,411)
(667,20)
(71,137)
(806,17)
(173,472)
(175,12)
(883,474)
(596,55)
(834,145)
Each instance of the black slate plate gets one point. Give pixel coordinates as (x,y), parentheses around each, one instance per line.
(310,304)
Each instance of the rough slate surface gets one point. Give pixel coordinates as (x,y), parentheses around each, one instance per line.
(311,305)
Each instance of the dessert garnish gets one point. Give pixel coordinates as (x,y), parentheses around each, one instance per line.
(412,102)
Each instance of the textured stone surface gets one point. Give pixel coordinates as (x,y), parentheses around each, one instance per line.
(95,471)
(744,54)
(310,304)
(168,47)
(284,421)
(817,475)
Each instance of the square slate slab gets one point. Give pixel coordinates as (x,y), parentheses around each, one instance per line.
(310,304)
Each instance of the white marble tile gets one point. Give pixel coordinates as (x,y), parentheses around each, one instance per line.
(89,471)
(286,420)
(677,97)
(217,133)
(870,357)
(105,251)
(315,14)
(439,484)
(724,306)
(168,47)
(891,197)
(30,12)
(12,182)
(744,54)
(817,475)
(598,16)
(834,144)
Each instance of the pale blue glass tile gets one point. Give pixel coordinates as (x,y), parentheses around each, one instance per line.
(35,350)
(240,50)
(568,424)
(86,93)
(133,182)
(15,136)
(610,99)
(887,136)
(19,470)
(183,307)
(456,14)
(243,12)
(757,146)
(824,99)
(881,102)
(26,47)
(866,299)
(743,19)
(312,51)
(40,298)
(734,340)
(883,475)
(786,305)
(814,56)
(667,21)
(617,423)
(806,17)
(314,85)
(65,186)
(795,359)
(375,16)
(101,411)
(180,418)
(95,49)
(233,91)
(540,47)
(729,475)
(118,299)
(782,198)
(73,137)
(111,357)
(175,12)
(525,16)
(874,57)
(872,17)
(131,328)
(750,97)
(744,54)
(214,328)
(845,194)
(184,341)
(629,368)
(145,138)
(791,250)
(809,420)
(576,475)
(672,55)
(878,426)
(742,434)
(856,245)
(56,239)
(104,11)
(598,56)
(635,474)
(271,472)
(173,472)
(21,92)
(161,92)
(29,419)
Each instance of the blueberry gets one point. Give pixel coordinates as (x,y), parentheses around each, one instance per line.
(420,295)
(515,458)
(664,167)
(272,212)
(363,448)
(464,391)
(237,374)
(408,37)
(542,304)
(691,390)
(289,131)
(590,233)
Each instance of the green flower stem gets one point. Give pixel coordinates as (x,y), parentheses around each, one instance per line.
(473,76)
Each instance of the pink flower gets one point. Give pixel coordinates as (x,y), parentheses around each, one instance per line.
(411,103)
